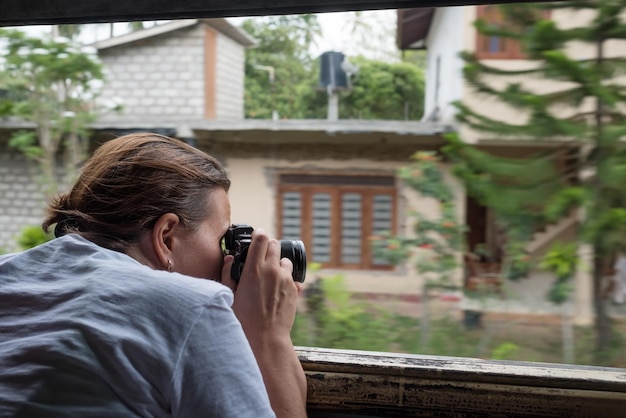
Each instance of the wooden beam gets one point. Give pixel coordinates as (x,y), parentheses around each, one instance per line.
(38,12)
(348,383)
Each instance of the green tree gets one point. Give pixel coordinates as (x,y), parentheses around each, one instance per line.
(71,31)
(52,83)
(282,76)
(279,69)
(434,243)
(585,108)
(384,90)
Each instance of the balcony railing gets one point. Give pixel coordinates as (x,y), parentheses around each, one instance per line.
(344,383)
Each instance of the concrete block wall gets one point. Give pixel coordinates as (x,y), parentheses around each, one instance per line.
(162,78)
(158,78)
(230,67)
(21,201)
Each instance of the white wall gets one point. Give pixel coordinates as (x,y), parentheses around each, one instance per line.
(444,42)
(253,201)
(491,106)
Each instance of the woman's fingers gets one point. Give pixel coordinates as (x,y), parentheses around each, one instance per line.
(257,252)
(226,278)
(266,294)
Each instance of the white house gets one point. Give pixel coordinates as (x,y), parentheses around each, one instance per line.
(444,33)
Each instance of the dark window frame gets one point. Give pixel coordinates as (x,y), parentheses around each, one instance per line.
(310,184)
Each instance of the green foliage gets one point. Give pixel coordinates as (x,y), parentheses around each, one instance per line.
(562,261)
(508,185)
(515,189)
(281,76)
(561,112)
(334,320)
(607,229)
(283,43)
(52,82)
(415,57)
(614,354)
(383,90)
(449,338)
(26,142)
(71,31)
(505,351)
(32,236)
(563,202)
(437,241)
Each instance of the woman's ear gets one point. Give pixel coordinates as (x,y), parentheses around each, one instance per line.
(163,235)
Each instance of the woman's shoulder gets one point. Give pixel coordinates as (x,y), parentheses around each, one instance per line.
(121,275)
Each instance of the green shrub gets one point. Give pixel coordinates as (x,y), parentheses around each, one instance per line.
(335,320)
(32,236)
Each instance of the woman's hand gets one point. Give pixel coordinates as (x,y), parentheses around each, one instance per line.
(265,304)
(266,295)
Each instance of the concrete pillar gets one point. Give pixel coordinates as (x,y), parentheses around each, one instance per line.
(583,288)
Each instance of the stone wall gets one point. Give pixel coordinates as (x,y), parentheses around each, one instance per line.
(21,199)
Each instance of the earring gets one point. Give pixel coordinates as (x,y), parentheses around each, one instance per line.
(169,265)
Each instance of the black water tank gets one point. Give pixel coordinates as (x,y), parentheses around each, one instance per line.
(331,73)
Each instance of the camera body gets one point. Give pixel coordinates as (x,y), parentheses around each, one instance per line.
(237,242)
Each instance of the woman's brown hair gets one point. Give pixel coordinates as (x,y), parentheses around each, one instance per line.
(129,183)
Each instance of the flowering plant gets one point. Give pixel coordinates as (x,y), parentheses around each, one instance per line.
(435,242)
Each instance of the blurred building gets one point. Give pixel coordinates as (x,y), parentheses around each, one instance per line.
(446,32)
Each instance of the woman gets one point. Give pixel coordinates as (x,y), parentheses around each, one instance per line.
(115,317)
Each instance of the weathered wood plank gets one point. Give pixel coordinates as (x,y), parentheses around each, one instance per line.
(391,385)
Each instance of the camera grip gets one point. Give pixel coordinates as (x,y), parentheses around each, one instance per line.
(235,270)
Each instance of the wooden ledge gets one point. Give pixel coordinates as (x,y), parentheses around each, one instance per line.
(344,383)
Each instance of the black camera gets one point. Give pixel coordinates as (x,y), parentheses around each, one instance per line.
(237,241)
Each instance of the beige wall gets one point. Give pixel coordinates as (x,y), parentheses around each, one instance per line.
(253,201)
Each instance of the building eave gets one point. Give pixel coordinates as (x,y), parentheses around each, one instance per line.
(292,131)
(323,125)
(220,24)
(234,32)
(413,26)
(144,33)
(319,131)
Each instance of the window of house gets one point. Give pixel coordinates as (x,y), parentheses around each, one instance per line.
(335,216)
(497,47)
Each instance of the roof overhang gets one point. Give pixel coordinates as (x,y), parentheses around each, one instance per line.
(294,132)
(220,24)
(307,131)
(413,26)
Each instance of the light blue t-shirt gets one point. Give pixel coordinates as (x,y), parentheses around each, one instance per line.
(89,332)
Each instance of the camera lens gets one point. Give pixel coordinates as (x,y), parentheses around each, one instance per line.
(294,250)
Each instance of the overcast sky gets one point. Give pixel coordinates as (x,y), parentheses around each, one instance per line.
(375,38)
